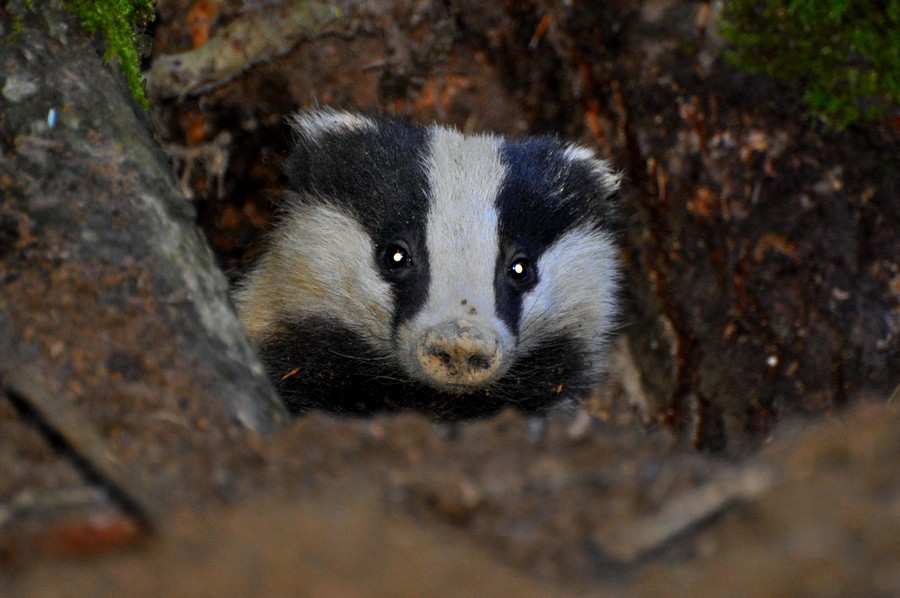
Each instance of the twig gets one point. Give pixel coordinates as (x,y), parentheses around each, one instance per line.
(255,37)
(28,500)
(630,542)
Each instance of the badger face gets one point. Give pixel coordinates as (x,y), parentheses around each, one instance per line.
(419,268)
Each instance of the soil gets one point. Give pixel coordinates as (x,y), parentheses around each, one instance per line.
(389,506)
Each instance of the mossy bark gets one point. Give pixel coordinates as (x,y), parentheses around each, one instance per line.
(108,289)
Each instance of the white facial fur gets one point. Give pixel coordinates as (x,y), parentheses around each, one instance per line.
(320,263)
(465,174)
(576,292)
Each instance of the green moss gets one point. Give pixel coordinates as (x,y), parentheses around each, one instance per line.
(843,54)
(121,22)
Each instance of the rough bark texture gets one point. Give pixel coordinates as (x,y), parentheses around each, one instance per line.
(111,301)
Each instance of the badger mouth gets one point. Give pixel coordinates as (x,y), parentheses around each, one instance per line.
(459,356)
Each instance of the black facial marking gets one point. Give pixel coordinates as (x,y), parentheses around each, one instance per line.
(544,194)
(377,174)
(535,206)
(318,364)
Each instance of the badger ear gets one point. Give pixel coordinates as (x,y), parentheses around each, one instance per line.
(312,125)
(317,131)
(608,180)
(601,186)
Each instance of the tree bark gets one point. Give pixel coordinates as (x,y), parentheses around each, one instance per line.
(109,292)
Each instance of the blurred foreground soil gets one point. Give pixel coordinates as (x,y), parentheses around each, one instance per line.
(389,507)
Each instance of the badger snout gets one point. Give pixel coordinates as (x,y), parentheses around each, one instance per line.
(460,354)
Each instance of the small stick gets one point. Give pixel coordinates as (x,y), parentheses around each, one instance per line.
(630,542)
(255,37)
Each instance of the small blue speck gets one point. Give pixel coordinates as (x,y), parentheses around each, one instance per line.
(51,118)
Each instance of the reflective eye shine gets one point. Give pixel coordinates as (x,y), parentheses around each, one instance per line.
(521,270)
(397,257)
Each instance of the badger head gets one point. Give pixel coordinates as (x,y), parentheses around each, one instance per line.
(420,268)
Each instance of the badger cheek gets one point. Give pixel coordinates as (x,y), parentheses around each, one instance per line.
(459,356)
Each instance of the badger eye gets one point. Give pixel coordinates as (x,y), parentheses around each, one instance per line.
(397,257)
(522,271)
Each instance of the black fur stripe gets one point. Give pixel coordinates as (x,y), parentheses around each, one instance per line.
(544,195)
(377,175)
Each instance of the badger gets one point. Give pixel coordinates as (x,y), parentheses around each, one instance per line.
(418,268)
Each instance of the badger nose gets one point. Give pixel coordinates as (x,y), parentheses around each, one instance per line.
(459,353)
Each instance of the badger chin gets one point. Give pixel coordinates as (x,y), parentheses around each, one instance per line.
(322,364)
(462,390)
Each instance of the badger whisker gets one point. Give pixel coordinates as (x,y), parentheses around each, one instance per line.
(361,358)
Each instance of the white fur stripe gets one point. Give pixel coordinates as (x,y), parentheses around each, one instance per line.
(465,174)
